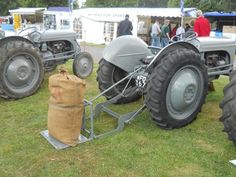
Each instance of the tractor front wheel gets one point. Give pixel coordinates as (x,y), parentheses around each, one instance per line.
(83,65)
(176,89)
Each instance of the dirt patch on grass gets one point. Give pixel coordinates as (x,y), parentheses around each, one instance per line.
(207,146)
(189,170)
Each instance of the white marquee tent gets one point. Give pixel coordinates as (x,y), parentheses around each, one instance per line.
(96,21)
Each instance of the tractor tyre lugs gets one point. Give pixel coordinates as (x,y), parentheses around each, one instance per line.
(9,53)
(228,106)
(162,76)
(106,75)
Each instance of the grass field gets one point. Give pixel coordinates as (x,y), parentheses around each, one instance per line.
(141,149)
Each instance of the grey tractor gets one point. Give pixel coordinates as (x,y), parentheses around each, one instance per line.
(26,57)
(173,80)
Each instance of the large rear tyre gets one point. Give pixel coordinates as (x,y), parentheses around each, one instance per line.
(21,70)
(228,106)
(176,89)
(83,65)
(109,74)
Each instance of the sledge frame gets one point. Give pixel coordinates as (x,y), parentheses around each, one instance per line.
(94,112)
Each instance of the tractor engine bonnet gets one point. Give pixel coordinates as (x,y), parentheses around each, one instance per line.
(126,52)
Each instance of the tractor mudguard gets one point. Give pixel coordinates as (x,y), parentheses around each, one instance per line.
(171,47)
(14,38)
(176,46)
(126,52)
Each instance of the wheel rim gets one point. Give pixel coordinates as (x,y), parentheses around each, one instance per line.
(84,66)
(21,73)
(117,75)
(184,92)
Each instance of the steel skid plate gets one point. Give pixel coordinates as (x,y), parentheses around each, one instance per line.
(57,144)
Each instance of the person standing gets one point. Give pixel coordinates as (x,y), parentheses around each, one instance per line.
(191,24)
(125,27)
(179,32)
(165,33)
(187,27)
(173,32)
(155,34)
(202,28)
(201,25)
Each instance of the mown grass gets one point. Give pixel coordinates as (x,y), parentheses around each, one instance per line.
(141,149)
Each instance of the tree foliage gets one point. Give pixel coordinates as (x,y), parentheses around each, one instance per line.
(153,3)
(7,5)
(13,4)
(204,5)
(112,3)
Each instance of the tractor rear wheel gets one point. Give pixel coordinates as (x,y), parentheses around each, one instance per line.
(21,70)
(176,89)
(109,74)
(228,106)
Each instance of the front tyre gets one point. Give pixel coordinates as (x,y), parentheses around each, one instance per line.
(177,89)
(228,106)
(21,70)
(83,65)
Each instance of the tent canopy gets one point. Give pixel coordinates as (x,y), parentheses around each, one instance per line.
(117,14)
(27,11)
(165,12)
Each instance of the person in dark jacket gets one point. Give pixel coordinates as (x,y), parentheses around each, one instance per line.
(125,27)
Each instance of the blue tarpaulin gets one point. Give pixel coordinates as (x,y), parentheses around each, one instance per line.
(59,9)
(220,14)
(7,27)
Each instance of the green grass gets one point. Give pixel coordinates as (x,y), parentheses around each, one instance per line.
(141,149)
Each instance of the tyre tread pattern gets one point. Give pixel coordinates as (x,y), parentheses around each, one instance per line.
(228,106)
(104,79)
(154,87)
(5,51)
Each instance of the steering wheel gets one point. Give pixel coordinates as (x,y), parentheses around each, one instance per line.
(187,36)
(27,31)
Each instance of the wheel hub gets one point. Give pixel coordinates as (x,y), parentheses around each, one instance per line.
(189,93)
(22,72)
(84,66)
(183,93)
(19,71)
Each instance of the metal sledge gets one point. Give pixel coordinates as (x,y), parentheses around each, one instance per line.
(94,112)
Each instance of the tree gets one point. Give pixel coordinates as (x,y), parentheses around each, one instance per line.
(7,5)
(152,3)
(13,4)
(112,3)
(204,5)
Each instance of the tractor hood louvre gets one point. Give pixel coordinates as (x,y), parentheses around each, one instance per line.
(52,35)
(219,43)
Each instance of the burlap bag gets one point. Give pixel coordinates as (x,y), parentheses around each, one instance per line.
(66,89)
(65,107)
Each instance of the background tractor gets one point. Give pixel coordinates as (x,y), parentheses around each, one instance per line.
(25,58)
(173,80)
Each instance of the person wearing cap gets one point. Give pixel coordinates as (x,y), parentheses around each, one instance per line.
(201,25)
(125,27)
